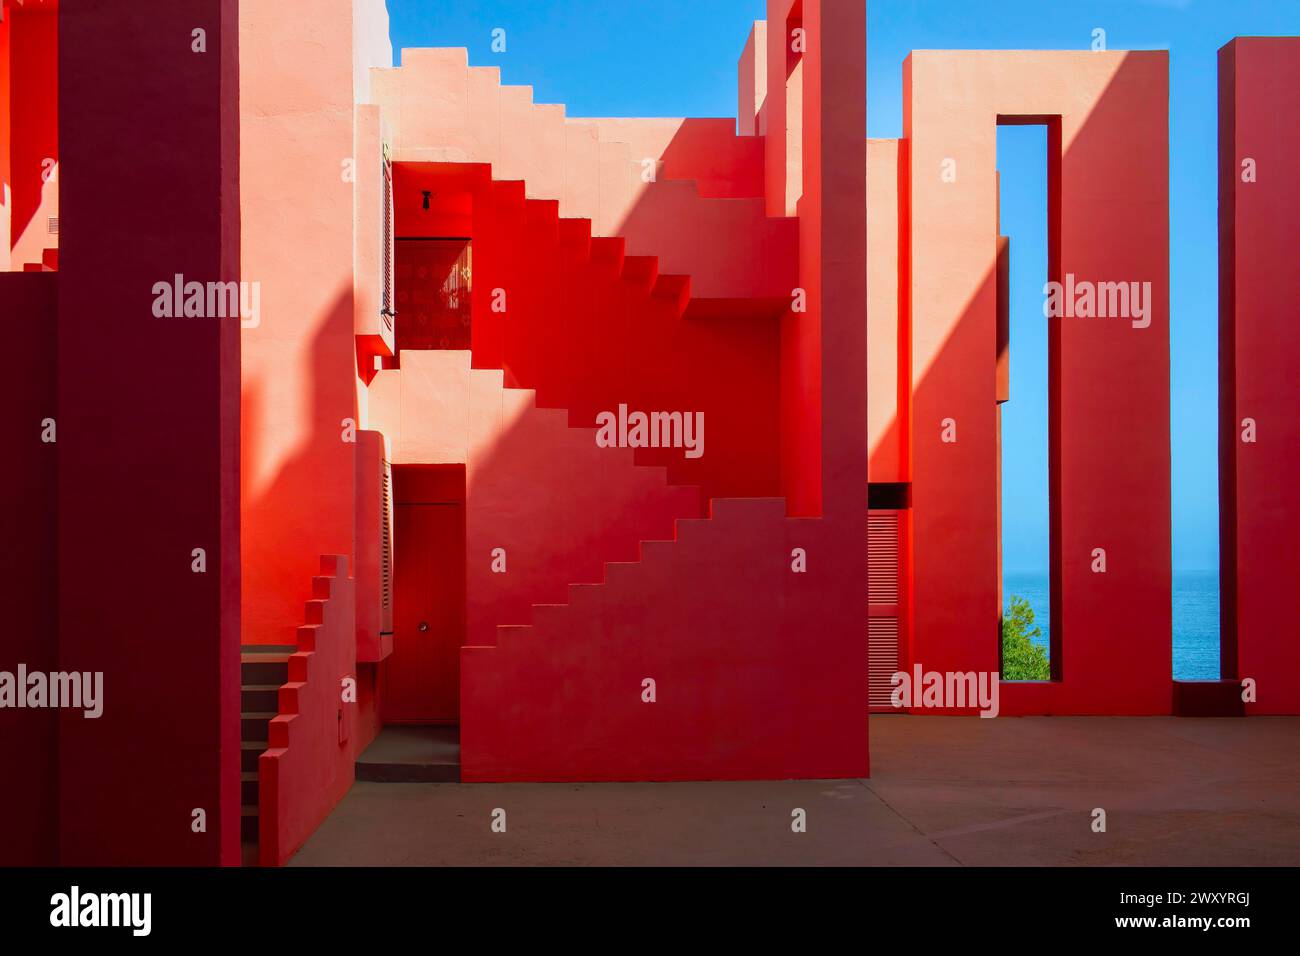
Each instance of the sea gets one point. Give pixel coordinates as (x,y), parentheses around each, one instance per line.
(1195,617)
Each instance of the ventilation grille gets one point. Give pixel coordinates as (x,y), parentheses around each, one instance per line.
(882,660)
(53,225)
(883,598)
(882,558)
(386,536)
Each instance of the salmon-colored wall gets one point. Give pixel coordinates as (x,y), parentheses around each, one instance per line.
(751,88)
(300,362)
(558,505)
(1109,394)
(719,617)
(374,330)
(1259,275)
(307,243)
(686,190)
(889,377)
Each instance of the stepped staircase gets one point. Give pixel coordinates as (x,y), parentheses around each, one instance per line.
(49,262)
(590,327)
(263,670)
(670,187)
(607,274)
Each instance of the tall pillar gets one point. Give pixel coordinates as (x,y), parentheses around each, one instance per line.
(148,433)
(1259,350)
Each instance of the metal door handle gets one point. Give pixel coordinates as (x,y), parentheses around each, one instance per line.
(424,626)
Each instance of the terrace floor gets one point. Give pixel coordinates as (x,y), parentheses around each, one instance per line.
(945,791)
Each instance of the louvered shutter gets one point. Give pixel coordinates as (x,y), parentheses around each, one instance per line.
(884,602)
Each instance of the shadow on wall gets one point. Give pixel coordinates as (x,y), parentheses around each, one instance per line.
(303,486)
(317,768)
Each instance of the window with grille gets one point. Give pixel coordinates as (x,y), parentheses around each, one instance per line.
(434,278)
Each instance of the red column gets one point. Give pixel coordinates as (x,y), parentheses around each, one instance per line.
(29,737)
(1106,115)
(148,429)
(1259,349)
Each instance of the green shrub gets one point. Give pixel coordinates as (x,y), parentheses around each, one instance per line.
(1022,659)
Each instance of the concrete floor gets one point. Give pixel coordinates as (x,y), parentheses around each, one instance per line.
(944,792)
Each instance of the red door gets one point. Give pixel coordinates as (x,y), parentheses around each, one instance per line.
(422,675)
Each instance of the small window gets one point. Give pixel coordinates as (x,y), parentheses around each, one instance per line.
(433,294)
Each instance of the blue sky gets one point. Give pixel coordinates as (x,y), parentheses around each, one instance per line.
(678,58)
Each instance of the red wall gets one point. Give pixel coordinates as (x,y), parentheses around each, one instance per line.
(29,797)
(6,174)
(316,736)
(33,116)
(760,670)
(752,677)
(148,434)
(1109,394)
(1259,347)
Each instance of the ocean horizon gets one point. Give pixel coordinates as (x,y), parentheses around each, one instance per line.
(1195,617)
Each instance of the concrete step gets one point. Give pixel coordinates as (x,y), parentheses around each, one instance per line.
(412,755)
(259,697)
(253,724)
(263,669)
(249,751)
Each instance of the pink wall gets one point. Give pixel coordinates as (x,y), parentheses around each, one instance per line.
(1258,274)
(559,505)
(1109,395)
(889,378)
(300,363)
(299,169)
(751,88)
(148,421)
(718,617)
(687,190)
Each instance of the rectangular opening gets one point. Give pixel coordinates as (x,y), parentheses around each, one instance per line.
(1027,257)
(433,293)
